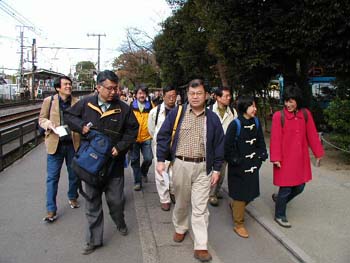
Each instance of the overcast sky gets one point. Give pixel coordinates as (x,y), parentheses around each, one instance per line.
(66,23)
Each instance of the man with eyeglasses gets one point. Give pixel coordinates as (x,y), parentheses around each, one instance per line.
(226,115)
(141,108)
(197,153)
(59,148)
(106,113)
(155,120)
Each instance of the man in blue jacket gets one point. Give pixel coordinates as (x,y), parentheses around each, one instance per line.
(197,153)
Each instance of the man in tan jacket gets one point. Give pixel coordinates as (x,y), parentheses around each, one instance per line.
(59,147)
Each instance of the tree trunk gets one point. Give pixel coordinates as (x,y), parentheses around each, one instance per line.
(222,69)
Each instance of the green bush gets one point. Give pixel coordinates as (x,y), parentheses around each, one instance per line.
(338,117)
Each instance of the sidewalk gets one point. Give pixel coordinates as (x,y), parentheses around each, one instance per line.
(320,219)
(319,216)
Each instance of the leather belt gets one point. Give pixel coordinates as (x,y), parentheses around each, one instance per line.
(192,160)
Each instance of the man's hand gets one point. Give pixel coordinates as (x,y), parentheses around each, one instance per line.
(160,167)
(277,164)
(85,130)
(114,152)
(214,178)
(51,126)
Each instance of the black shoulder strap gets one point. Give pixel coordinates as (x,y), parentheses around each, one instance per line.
(157,114)
(211,106)
(231,109)
(306,117)
(282,118)
(50,106)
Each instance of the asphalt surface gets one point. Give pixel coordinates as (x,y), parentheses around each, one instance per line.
(320,219)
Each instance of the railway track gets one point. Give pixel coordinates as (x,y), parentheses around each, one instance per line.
(13,118)
(19,104)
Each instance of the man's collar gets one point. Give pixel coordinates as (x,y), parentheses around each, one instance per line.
(69,99)
(189,109)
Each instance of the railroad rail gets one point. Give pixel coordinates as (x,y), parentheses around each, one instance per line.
(13,118)
(19,103)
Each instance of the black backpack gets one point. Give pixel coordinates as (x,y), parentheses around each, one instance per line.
(41,130)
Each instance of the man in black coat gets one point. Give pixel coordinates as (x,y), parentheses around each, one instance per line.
(107,114)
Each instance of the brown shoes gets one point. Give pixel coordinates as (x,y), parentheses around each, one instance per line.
(202,255)
(179,237)
(73,203)
(165,206)
(241,231)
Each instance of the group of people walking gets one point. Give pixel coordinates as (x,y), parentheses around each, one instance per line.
(193,146)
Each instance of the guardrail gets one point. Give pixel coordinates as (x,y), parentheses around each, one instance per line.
(17,140)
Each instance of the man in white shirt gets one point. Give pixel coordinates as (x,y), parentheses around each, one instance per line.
(226,115)
(155,120)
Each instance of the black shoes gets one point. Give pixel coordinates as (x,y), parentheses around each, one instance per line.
(123,230)
(89,248)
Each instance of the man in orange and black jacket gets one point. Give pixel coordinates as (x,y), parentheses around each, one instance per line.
(141,108)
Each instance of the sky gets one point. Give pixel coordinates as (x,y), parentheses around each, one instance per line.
(66,23)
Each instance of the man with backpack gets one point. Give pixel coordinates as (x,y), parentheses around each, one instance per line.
(155,120)
(58,148)
(226,115)
(106,113)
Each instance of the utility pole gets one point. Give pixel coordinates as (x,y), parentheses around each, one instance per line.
(33,67)
(98,47)
(21,61)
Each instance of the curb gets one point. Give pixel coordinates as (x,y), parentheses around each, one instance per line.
(148,243)
(288,244)
(293,248)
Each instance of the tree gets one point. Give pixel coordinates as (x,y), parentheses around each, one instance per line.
(137,62)
(181,48)
(84,73)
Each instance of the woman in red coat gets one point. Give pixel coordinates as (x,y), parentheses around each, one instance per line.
(293,132)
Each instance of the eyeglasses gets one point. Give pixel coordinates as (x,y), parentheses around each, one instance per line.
(112,88)
(170,96)
(198,93)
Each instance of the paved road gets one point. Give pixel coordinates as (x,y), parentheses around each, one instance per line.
(320,231)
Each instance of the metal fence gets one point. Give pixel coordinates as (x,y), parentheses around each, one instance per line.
(17,140)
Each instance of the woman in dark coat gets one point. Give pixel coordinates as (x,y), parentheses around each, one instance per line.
(245,150)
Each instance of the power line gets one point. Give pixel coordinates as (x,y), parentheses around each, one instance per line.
(83,48)
(19,18)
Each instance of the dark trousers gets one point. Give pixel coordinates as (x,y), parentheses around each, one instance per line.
(146,149)
(285,194)
(114,193)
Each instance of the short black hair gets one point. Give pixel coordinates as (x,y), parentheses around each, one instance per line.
(107,74)
(220,90)
(57,82)
(142,87)
(244,102)
(195,83)
(293,92)
(168,88)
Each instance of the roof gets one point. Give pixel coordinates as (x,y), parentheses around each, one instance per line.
(44,74)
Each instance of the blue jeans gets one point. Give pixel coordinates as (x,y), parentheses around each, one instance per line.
(54,165)
(285,194)
(146,149)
